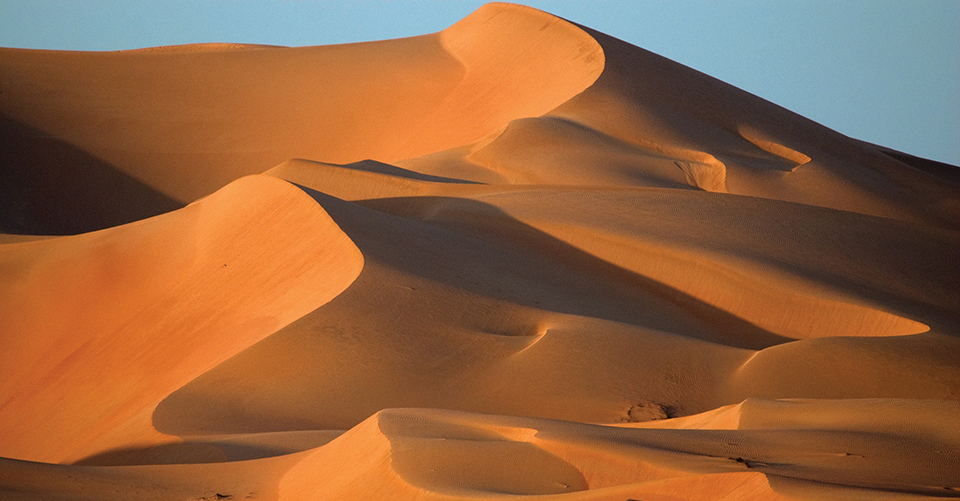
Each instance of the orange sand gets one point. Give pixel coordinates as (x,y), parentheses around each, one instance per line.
(514,258)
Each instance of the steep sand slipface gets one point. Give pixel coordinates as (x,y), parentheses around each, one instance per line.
(174,296)
(501,84)
(761,260)
(678,239)
(758,148)
(523,258)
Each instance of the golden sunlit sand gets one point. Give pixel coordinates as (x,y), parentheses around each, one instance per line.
(514,258)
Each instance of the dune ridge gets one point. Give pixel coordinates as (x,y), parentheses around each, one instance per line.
(517,257)
(501,454)
(203,47)
(214,116)
(164,312)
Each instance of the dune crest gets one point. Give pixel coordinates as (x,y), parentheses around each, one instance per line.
(500,83)
(204,47)
(648,100)
(415,452)
(796,158)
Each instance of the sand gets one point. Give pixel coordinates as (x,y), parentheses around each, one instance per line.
(514,258)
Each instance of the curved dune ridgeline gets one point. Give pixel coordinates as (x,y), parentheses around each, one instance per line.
(516,257)
(186,122)
(82,371)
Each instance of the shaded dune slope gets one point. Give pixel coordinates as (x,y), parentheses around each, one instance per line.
(517,257)
(766,151)
(659,123)
(589,339)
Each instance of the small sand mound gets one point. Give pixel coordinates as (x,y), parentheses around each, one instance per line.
(795,158)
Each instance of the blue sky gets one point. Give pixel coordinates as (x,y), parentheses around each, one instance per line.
(884,71)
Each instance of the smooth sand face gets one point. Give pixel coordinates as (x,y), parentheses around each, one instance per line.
(516,257)
(164,312)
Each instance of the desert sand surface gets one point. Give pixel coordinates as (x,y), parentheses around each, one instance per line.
(514,259)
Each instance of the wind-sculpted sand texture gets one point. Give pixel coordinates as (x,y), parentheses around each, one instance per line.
(516,258)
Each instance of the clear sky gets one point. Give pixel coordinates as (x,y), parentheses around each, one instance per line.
(884,71)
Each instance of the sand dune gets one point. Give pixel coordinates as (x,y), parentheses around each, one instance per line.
(514,258)
(82,372)
(759,449)
(186,122)
(793,444)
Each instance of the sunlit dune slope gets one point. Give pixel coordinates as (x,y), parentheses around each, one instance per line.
(100,327)
(594,323)
(772,450)
(755,450)
(513,258)
(178,124)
